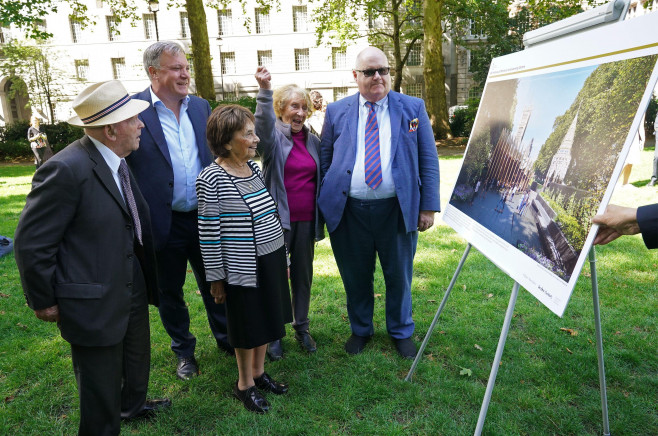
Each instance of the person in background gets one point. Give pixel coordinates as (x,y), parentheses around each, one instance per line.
(243,250)
(84,251)
(379,188)
(172,154)
(291,165)
(38,143)
(316,120)
(654,175)
(633,154)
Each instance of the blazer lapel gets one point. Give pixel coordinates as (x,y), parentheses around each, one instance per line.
(103,172)
(198,119)
(395,114)
(152,124)
(352,125)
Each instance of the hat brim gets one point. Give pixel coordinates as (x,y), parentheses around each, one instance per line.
(128,110)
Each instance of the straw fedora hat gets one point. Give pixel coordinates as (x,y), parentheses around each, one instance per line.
(105,103)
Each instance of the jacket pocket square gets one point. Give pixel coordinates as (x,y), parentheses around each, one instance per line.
(413,125)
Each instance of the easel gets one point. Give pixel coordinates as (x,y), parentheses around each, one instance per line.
(566,27)
(503,338)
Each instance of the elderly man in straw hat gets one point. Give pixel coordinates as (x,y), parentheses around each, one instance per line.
(85,255)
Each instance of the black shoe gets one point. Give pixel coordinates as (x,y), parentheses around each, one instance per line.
(306,341)
(187,368)
(355,344)
(252,399)
(265,383)
(275,350)
(406,347)
(151,407)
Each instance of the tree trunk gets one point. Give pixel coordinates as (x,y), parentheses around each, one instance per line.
(397,52)
(205,86)
(433,71)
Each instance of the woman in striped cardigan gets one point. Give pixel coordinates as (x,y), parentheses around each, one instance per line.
(243,251)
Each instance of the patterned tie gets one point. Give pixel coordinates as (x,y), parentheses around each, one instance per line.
(130,199)
(373,166)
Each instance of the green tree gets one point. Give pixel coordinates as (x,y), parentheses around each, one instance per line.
(33,65)
(433,71)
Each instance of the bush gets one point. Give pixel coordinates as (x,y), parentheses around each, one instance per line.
(14,143)
(461,123)
(248,102)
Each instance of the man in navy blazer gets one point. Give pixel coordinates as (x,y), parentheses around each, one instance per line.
(172,154)
(380,186)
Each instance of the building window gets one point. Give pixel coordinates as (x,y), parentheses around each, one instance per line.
(301,59)
(262,21)
(82,69)
(414,55)
(119,68)
(475,92)
(299,19)
(340,92)
(184,25)
(225,21)
(41,25)
(149,26)
(414,90)
(228,63)
(112,28)
(475,29)
(76,29)
(338,57)
(265,58)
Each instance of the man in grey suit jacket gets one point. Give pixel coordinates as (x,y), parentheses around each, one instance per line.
(172,153)
(85,255)
(380,186)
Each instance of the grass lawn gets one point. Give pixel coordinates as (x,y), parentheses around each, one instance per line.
(547,383)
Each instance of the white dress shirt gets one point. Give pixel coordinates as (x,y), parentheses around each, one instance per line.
(358,188)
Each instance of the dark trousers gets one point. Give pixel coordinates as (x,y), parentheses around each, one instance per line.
(369,228)
(183,246)
(301,246)
(112,381)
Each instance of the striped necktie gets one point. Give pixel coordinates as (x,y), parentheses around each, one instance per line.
(130,199)
(373,166)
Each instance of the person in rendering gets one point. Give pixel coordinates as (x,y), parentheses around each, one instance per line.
(172,154)
(291,165)
(85,255)
(38,142)
(243,251)
(617,221)
(379,188)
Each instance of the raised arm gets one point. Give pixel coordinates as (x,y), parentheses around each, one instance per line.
(265,116)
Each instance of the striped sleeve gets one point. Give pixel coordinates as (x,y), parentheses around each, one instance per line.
(209,224)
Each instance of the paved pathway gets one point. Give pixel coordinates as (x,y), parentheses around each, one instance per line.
(509,224)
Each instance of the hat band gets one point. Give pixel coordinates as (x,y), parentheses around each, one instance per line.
(108,110)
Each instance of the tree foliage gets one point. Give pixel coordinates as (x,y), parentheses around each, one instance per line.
(606,106)
(33,65)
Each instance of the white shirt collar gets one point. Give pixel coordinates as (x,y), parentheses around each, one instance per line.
(111,158)
(155,98)
(380,103)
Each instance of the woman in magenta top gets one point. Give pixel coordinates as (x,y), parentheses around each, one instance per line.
(291,166)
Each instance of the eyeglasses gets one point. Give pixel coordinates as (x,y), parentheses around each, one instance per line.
(371,71)
(176,68)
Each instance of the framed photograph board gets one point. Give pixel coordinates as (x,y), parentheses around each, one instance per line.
(554,127)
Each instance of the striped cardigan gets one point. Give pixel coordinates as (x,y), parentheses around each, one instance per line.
(230,244)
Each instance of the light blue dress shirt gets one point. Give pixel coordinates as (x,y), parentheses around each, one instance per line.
(112,160)
(183,151)
(358,187)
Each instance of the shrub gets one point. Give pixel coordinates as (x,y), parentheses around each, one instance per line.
(461,123)
(248,102)
(14,143)
(62,134)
